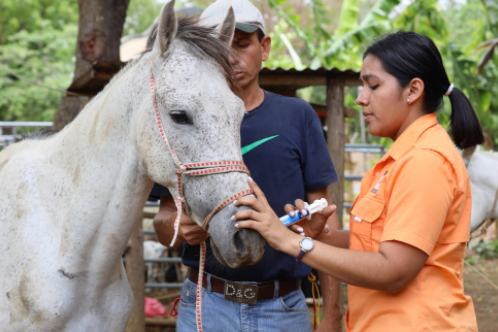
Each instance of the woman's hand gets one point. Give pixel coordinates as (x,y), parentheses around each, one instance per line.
(263,219)
(315,225)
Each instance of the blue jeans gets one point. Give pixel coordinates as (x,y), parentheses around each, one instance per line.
(285,313)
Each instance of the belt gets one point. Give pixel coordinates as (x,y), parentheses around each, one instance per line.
(266,290)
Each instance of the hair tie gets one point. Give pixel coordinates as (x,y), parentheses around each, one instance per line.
(449,90)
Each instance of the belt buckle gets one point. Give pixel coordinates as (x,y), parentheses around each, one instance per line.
(241,293)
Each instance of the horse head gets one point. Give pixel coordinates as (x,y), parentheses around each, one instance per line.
(200,116)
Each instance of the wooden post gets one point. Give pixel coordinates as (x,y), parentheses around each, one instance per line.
(336,138)
(134,260)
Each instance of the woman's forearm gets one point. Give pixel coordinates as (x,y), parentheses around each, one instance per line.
(335,238)
(358,268)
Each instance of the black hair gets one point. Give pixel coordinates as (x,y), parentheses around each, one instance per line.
(261,35)
(408,55)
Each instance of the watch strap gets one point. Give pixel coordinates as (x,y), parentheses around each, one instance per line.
(300,256)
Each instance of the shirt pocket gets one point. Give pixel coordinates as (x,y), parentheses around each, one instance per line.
(364,213)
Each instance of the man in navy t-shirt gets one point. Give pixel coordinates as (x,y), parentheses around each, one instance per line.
(284,148)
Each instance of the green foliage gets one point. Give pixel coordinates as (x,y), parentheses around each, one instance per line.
(466,36)
(140,15)
(281,45)
(424,17)
(484,250)
(343,49)
(349,18)
(43,57)
(37,42)
(28,15)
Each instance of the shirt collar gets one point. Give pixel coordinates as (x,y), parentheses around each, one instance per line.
(411,135)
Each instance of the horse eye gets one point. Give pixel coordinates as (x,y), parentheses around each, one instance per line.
(180,117)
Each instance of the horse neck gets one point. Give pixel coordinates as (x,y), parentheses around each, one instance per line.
(98,155)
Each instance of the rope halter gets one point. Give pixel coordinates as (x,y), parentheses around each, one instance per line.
(197,169)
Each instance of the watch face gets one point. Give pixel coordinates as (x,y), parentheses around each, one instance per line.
(307,243)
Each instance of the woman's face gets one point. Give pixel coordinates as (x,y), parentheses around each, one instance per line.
(384,103)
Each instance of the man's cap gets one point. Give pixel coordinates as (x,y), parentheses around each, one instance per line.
(247,17)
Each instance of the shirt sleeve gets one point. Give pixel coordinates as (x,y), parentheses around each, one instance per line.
(319,171)
(158,191)
(421,196)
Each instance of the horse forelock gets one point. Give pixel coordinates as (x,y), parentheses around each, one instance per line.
(203,42)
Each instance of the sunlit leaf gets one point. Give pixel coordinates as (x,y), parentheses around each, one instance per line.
(295,57)
(348,19)
(485,100)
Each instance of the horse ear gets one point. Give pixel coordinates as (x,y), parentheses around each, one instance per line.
(226,29)
(168,25)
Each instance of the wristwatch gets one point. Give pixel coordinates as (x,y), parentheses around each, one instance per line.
(306,245)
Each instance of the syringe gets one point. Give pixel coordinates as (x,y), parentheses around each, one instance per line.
(316,206)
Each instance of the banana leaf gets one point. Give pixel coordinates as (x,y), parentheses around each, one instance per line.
(349,18)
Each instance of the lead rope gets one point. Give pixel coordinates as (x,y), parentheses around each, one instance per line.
(197,169)
(316,300)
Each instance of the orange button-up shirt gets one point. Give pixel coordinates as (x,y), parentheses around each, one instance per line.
(419,194)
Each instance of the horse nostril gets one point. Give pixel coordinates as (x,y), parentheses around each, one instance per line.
(238,242)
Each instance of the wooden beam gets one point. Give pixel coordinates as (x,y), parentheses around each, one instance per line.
(292,80)
(134,259)
(349,112)
(336,138)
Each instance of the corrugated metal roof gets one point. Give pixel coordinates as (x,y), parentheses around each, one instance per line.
(309,71)
(291,79)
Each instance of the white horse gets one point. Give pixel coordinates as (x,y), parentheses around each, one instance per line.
(482,167)
(76,195)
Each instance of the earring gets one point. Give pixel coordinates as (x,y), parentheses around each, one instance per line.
(408,101)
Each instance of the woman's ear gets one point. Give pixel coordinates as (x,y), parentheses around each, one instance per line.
(415,90)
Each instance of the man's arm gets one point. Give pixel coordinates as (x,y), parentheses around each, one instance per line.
(332,318)
(164,225)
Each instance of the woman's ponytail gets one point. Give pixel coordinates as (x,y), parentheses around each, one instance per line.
(407,55)
(465,128)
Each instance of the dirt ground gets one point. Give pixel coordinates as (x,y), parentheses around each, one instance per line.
(484,295)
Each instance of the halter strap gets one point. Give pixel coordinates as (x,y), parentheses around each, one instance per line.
(196,169)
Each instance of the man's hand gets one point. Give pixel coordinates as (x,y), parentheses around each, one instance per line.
(190,231)
(164,222)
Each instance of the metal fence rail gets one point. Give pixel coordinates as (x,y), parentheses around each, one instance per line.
(365,148)
(6,140)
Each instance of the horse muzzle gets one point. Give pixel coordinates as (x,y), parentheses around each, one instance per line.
(234,247)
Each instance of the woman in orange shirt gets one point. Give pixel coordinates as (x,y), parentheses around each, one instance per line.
(403,255)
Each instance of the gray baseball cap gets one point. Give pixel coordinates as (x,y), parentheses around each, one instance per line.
(247,17)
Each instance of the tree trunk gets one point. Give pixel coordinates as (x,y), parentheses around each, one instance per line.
(100,29)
